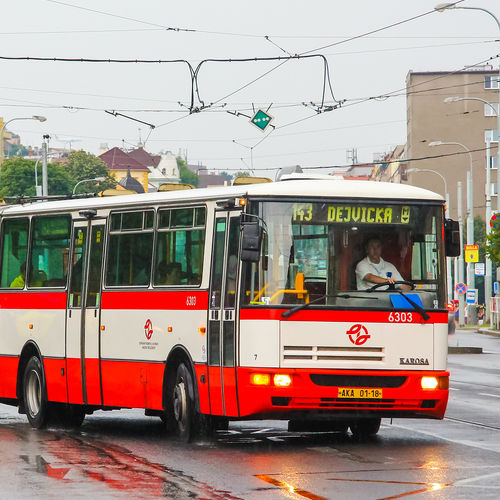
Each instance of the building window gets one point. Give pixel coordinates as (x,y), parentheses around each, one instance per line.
(494,190)
(488,110)
(491,82)
(491,136)
(494,162)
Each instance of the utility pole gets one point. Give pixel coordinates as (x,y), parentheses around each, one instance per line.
(487,275)
(461,301)
(45,187)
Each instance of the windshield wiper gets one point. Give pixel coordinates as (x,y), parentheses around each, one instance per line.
(293,310)
(416,306)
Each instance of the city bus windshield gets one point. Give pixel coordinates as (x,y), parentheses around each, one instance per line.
(326,252)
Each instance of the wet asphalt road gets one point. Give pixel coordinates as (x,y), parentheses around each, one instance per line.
(126,455)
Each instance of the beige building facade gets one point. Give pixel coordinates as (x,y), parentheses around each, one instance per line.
(467,122)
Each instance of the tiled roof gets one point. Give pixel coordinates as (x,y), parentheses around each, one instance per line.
(116,159)
(131,184)
(145,158)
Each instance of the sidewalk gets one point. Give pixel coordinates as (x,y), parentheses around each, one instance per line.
(473,341)
(487,331)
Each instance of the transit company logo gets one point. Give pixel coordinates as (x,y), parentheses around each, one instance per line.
(358,334)
(148,329)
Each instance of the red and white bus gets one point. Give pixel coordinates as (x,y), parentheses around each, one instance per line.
(209,305)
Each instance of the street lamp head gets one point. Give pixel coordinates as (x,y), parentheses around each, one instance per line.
(441,7)
(435,143)
(39,118)
(452,99)
(99,179)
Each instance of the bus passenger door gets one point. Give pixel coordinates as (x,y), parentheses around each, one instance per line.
(83,316)
(222,324)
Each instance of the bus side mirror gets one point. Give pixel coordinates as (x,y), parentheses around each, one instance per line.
(251,242)
(451,238)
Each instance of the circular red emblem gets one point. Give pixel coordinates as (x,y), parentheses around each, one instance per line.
(358,334)
(148,329)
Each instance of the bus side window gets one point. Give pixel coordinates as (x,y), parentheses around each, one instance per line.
(180,246)
(50,250)
(130,249)
(14,252)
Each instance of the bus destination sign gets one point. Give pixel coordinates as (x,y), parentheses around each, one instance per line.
(318,213)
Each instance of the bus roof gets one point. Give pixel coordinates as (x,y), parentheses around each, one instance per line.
(296,188)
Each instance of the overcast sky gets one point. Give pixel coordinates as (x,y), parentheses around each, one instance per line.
(74,95)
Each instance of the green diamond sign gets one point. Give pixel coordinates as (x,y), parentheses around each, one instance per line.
(261,119)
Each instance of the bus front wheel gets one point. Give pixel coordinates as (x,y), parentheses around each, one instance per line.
(35,394)
(182,403)
(365,428)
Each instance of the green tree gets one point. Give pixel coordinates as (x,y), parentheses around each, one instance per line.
(185,174)
(242,173)
(17,178)
(82,165)
(227,177)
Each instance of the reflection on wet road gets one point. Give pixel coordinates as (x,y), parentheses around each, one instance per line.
(126,455)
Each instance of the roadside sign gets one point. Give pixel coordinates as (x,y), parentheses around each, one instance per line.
(261,119)
(495,287)
(471,253)
(479,269)
(460,288)
(495,221)
(471,296)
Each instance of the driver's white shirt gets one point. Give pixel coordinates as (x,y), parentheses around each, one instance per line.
(366,266)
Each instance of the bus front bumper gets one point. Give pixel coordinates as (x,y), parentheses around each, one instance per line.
(263,393)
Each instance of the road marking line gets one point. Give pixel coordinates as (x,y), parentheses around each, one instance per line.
(477,478)
(453,389)
(488,394)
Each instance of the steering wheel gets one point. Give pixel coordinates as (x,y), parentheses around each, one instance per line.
(391,285)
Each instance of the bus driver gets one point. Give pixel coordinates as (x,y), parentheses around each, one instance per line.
(374,270)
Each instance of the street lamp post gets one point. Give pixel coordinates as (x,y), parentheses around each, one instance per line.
(470,209)
(453,5)
(95,179)
(446,214)
(34,117)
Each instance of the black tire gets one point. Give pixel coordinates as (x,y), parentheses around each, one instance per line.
(35,394)
(365,428)
(182,404)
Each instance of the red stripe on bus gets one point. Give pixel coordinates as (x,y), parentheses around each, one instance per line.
(55,377)
(8,376)
(147,299)
(33,300)
(132,384)
(347,316)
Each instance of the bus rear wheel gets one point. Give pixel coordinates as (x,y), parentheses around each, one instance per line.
(35,394)
(365,428)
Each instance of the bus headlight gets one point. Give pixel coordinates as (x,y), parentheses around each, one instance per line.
(282,380)
(429,383)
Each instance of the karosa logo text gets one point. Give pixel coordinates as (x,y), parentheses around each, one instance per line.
(414,361)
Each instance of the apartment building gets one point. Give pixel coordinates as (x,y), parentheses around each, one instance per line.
(444,108)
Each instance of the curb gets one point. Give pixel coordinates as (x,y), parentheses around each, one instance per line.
(486,331)
(465,350)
